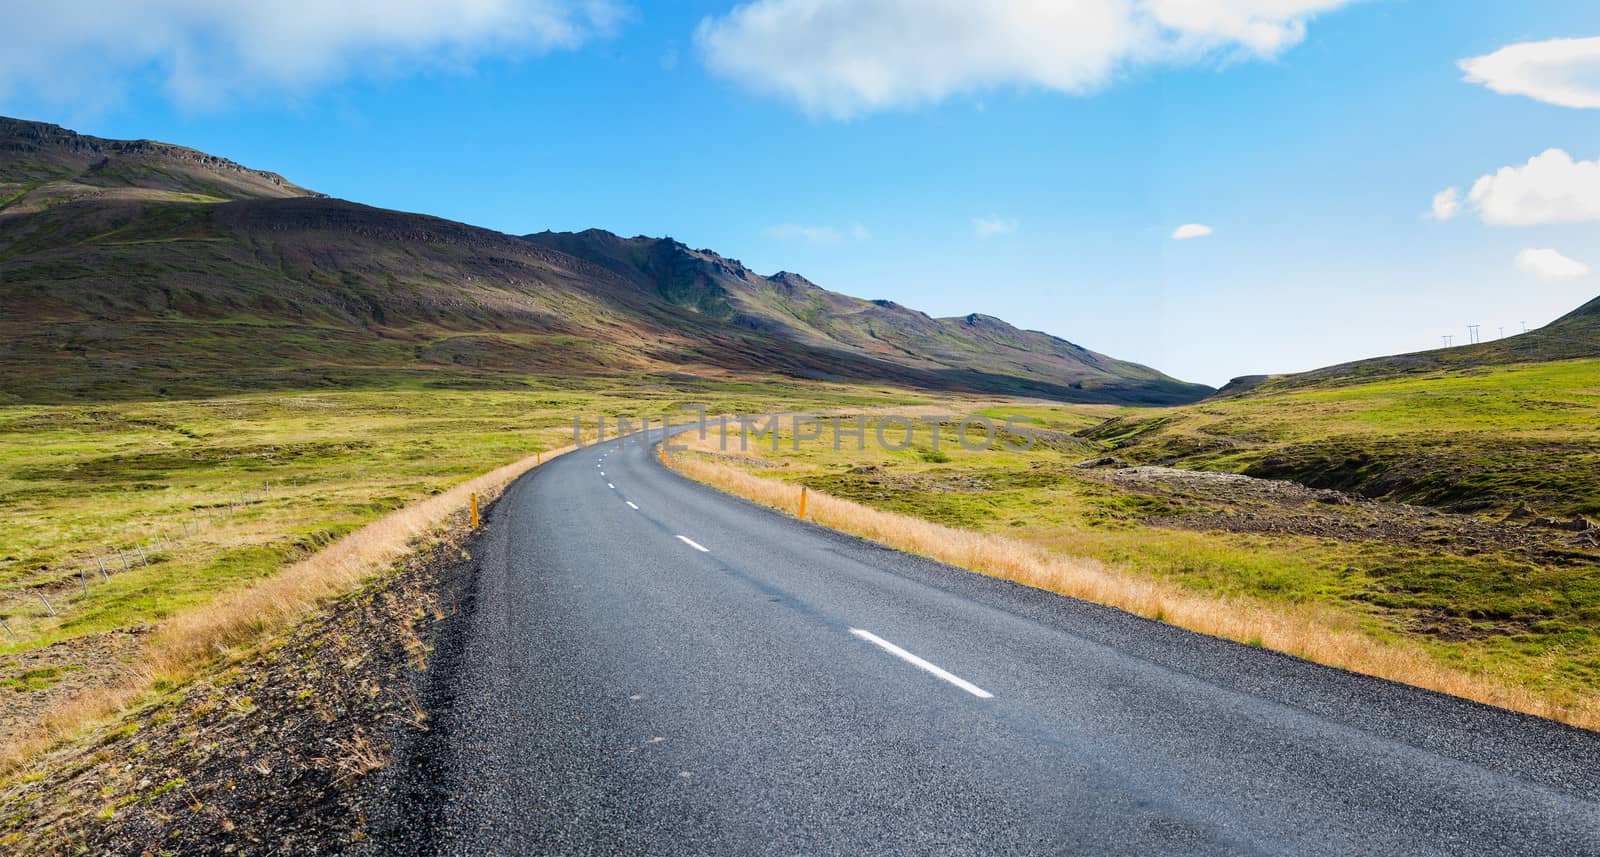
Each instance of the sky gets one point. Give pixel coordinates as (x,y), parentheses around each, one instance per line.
(1211,187)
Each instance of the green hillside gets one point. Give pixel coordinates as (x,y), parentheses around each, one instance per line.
(132,270)
(1574,336)
(1468,433)
(972,352)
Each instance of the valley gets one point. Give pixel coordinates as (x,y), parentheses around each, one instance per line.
(210,376)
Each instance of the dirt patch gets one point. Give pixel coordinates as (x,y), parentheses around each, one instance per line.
(871,477)
(33,682)
(267,755)
(742,460)
(1450,628)
(1236,503)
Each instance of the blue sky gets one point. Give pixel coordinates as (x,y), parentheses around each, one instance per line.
(1032,170)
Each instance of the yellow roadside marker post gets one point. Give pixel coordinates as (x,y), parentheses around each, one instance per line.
(802,502)
(474,510)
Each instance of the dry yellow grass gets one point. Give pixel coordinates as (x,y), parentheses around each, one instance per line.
(192,638)
(1318,635)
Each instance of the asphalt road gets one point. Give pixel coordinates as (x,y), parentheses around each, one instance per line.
(643,665)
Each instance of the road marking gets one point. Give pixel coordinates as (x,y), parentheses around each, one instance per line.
(602,473)
(612,487)
(694,544)
(630,505)
(915,661)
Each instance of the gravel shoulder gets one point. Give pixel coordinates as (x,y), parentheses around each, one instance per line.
(279,752)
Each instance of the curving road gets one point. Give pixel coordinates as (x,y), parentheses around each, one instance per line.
(643,665)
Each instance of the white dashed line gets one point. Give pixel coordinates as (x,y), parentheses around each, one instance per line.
(694,544)
(915,661)
(612,487)
(631,506)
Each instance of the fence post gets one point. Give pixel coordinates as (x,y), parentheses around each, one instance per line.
(8,629)
(83,577)
(142,557)
(102,569)
(46,603)
(474,510)
(122,556)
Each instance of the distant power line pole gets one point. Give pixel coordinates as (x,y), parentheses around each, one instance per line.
(1502,332)
(1524,327)
(1447,337)
(1472,333)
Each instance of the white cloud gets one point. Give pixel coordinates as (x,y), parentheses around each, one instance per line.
(845,57)
(1550,188)
(1548,264)
(1192,230)
(1265,28)
(1564,72)
(817,234)
(988,227)
(203,53)
(1446,204)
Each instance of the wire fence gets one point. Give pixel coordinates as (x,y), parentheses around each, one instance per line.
(123,556)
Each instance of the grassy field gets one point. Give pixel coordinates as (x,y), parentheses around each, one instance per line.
(1508,608)
(220,492)
(208,496)
(1484,440)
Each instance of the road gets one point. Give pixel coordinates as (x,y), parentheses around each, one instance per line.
(644,665)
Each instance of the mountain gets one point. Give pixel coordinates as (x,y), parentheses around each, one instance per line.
(973,351)
(1574,336)
(136,269)
(46,165)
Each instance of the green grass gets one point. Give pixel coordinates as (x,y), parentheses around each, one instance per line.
(1482,611)
(1488,440)
(37,679)
(80,481)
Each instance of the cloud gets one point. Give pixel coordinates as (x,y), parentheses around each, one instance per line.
(988,227)
(1192,230)
(1564,72)
(1446,204)
(1548,264)
(204,53)
(817,234)
(841,58)
(1550,188)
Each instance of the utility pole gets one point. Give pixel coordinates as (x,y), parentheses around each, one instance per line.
(1472,333)
(1502,332)
(1524,327)
(1447,337)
